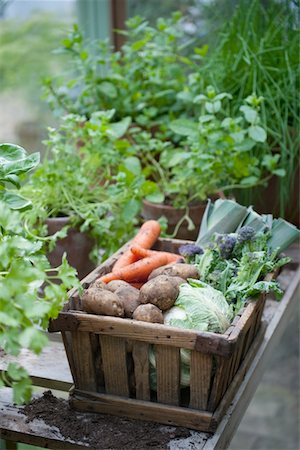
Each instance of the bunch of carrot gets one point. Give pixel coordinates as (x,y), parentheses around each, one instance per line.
(136,263)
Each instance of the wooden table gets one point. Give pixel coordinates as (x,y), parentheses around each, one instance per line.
(50,370)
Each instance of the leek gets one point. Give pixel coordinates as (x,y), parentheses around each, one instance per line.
(224,216)
(283,234)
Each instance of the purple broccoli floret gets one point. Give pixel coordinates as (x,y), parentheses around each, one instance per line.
(245,233)
(225,243)
(189,250)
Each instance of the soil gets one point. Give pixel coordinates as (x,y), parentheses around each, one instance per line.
(101,431)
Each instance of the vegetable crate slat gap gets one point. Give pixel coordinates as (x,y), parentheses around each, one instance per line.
(111,365)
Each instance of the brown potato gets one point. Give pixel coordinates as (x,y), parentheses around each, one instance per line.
(101,301)
(130,298)
(161,291)
(176,270)
(98,284)
(116,284)
(148,313)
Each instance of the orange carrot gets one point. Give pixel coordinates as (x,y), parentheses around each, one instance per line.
(137,271)
(146,237)
(141,252)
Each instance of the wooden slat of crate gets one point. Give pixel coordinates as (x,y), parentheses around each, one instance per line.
(201,368)
(206,342)
(83,361)
(140,353)
(168,374)
(113,350)
(138,409)
(220,378)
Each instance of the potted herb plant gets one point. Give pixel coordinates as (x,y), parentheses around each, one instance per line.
(25,273)
(258,50)
(142,80)
(88,185)
(219,153)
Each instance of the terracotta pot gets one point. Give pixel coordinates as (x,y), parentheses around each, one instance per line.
(174,215)
(76,245)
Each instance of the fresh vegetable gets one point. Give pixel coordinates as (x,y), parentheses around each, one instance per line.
(137,271)
(146,237)
(181,270)
(161,291)
(130,298)
(202,308)
(101,301)
(114,284)
(140,252)
(148,313)
(227,216)
(236,264)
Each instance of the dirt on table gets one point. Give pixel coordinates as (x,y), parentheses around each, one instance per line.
(101,431)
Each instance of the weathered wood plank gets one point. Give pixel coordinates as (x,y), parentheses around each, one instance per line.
(206,342)
(141,370)
(219,379)
(138,409)
(113,350)
(43,368)
(85,374)
(201,373)
(168,374)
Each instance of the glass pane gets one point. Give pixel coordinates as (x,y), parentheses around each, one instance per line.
(30,32)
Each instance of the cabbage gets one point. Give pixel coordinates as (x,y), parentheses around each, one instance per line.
(198,307)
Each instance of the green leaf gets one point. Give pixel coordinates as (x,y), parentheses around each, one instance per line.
(249,181)
(8,320)
(118,129)
(177,158)
(132,163)
(257,133)
(250,114)
(156,197)
(184,127)
(33,339)
(15,201)
(108,89)
(279,172)
(22,391)
(201,51)
(130,209)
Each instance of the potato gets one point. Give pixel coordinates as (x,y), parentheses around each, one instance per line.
(176,270)
(101,301)
(98,284)
(116,284)
(130,298)
(148,313)
(161,291)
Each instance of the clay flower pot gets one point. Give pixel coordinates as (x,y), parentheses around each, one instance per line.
(174,216)
(76,245)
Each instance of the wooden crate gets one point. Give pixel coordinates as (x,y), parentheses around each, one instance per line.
(109,361)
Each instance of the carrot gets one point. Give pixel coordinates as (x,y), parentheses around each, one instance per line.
(146,237)
(137,271)
(140,252)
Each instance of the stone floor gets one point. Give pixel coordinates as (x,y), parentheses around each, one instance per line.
(271,421)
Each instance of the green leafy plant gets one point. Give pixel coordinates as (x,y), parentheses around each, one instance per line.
(14,164)
(258,51)
(218,152)
(90,175)
(28,298)
(140,81)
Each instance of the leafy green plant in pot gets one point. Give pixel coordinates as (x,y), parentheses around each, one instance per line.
(258,51)
(89,183)
(142,80)
(220,153)
(28,298)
